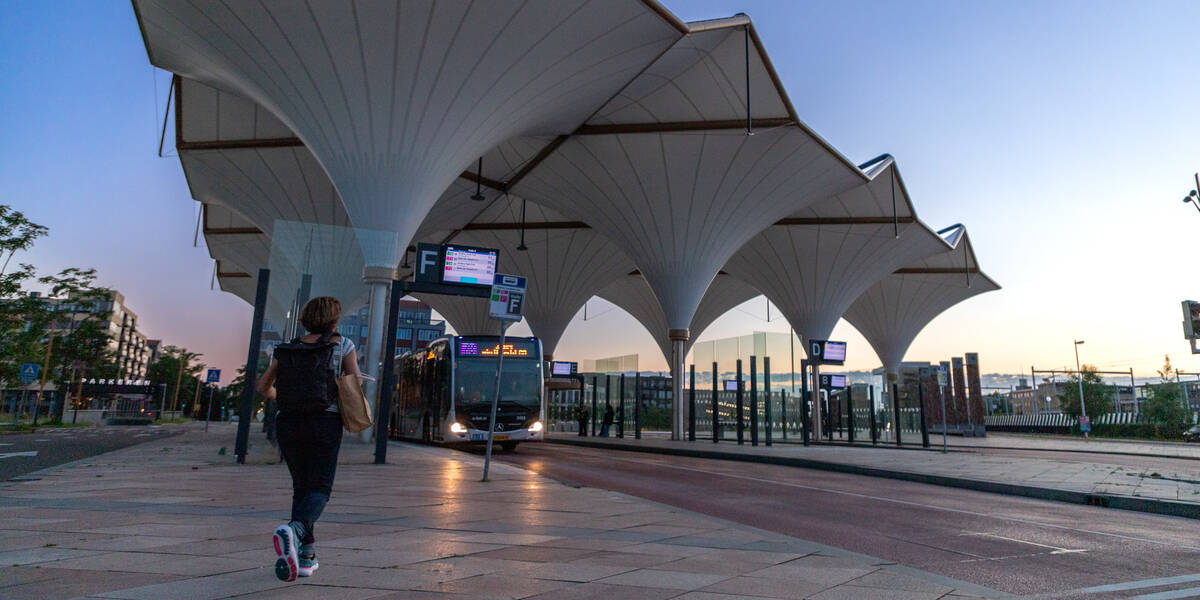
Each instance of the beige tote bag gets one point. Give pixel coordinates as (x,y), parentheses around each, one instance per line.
(356,413)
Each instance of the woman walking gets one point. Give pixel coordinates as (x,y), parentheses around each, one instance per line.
(303,377)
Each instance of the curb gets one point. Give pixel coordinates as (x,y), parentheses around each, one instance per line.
(1145,505)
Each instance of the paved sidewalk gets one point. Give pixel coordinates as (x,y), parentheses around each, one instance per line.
(1168,490)
(1073,444)
(174,519)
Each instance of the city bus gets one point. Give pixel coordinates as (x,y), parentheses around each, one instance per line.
(444,393)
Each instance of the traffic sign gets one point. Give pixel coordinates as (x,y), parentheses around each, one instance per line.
(214,376)
(29,373)
(508,297)
(942,376)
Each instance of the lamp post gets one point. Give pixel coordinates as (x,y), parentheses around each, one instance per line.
(1193,196)
(1079,374)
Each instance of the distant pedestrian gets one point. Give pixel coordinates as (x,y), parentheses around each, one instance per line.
(609,413)
(303,378)
(582,415)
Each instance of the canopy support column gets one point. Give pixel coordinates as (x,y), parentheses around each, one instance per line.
(679,339)
(378,279)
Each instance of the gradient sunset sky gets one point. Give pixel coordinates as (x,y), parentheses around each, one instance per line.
(1064,135)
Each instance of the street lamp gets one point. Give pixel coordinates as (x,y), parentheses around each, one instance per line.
(1079,374)
(1194,195)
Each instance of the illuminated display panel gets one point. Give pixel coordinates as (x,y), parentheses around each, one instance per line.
(513,348)
(835,351)
(837,381)
(731,386)
(560,368)
(467,265)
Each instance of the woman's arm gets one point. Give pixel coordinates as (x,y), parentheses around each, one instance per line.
(350,363)
(266,383)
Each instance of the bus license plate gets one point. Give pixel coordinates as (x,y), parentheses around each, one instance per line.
(499,438)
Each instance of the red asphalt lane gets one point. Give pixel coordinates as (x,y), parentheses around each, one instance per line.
(1016,545)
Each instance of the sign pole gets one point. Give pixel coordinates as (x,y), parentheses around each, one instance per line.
(208,417)
(487,457)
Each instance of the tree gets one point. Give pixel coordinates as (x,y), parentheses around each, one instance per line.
(16,233)
(85,306)
(1099,395)
(1164,404)
(174,367)
(23,323)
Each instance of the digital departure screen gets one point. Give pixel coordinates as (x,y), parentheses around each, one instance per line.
(468,265)
(513,348)
(834,352)
(731,385)
(563,368)
(837,381)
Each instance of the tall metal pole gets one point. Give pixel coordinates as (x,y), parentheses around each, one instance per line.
(924,425)
(637,405)
(621,411)
(1133,390)
(388,375)
(767,394)
(716,412)
(607,393)
(896,408)
(1079,376)
(850,414)
(256,325)
(487,455)
(753,400)
(806,432)
(741,425)
(871,405)
(691,435)
(208,416)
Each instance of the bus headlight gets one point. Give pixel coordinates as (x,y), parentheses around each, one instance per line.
(456,428)
(536,427)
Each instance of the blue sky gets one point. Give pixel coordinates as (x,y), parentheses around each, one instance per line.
(1063,134)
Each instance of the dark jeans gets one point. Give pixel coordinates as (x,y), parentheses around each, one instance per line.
(604,429)
(310,445)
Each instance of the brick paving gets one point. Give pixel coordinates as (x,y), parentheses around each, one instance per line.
(172,518)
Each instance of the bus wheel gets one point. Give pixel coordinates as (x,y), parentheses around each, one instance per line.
(508,446)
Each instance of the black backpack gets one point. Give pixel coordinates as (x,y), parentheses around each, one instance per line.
(305,382)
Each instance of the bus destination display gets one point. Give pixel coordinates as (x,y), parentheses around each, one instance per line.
(835,351)
(513,349)
(467,265)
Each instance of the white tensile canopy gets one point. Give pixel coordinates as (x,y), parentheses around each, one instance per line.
(814,263)
(635,297)
(896,308)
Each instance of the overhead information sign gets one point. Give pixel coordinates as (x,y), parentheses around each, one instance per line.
(508,297)
(564,368)
(468,265)
(827,352)
(833,382)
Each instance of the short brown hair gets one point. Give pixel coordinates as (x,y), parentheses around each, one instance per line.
(321,314)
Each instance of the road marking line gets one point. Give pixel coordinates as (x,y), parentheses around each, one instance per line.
(1170,595)
(908,503)
(1056,549)
(16,454)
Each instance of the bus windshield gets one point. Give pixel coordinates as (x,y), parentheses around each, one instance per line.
(475,382)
